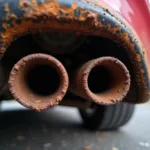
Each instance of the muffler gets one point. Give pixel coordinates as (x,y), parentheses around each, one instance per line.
(105,81)
(38,81)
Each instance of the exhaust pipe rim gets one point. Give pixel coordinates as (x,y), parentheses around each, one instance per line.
(43,102)
(84,73)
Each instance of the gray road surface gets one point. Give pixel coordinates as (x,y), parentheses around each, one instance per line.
(61,128)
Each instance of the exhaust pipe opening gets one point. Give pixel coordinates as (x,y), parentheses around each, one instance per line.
(45,76)
(38,81)
(105,80)
(99,79)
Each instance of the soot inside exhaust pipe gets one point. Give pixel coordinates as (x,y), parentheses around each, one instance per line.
(43,80)
(99,79)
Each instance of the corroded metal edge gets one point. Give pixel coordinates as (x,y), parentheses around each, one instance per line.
(19,17)
(79,83)
(26,97)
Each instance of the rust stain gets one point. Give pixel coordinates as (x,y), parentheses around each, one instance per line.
(142,71)
(38,101)
(74,5)
(138,57)
(46,11)
(24,4)
(24,95)
(80,81)
(8,14)
(126,37)
(34,3)
(7,10)
(49,10)
(113,30)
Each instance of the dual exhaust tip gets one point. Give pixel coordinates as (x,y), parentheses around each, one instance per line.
(40,81)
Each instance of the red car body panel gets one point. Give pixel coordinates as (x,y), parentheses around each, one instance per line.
(137,13)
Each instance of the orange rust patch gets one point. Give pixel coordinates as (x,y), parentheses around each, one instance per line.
(74,5)
(34,2)
(27,97)
(52,9)
(38,101)
(113,29)
(80,82)
(8,14)
(126,37)
(7,10)
(142,70)
(24,3)
(49,9)
(138,57)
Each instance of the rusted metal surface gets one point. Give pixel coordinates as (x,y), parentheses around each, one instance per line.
(25,94)
(110,88)
(19,17)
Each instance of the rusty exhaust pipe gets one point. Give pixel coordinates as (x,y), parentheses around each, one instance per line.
(38,81)
(105,81)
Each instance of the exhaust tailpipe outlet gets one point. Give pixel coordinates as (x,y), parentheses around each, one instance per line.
(38,81)
(105,80)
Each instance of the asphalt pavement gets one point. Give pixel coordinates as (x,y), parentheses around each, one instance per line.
(61,128)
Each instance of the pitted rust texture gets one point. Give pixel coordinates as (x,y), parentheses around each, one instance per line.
(27,97)
(80,16)
(119,86)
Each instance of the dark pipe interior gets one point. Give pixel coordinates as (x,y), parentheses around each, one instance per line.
(99,79)
(43,80)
